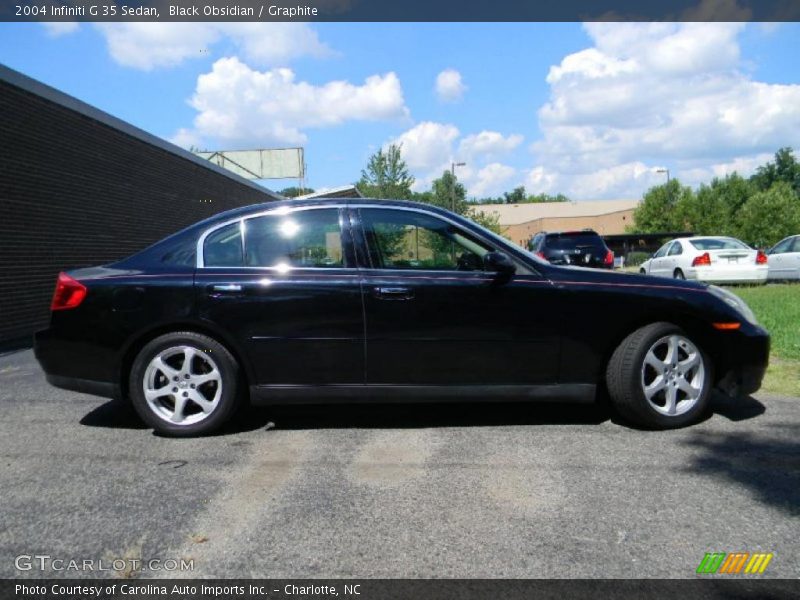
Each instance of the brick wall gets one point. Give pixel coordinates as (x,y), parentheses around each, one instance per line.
(77,190)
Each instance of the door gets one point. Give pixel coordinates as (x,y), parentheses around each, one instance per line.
(784,259)
(433,316)
(284,284)
(658,264)
(672,261)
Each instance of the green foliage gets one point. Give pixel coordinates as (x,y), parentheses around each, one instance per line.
(713,209)
(386,176)
(664,208)
(767,217)
(490,221)
(447,192)
(760,210)
(546,198)
(294,191)
(784,169)
(635,258)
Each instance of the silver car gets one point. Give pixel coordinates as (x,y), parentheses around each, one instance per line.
(784,259)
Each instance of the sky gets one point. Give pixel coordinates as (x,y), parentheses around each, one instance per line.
(594,111)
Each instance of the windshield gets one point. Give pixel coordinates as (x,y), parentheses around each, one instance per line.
(719,244)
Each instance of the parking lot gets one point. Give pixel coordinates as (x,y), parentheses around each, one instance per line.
(508,490)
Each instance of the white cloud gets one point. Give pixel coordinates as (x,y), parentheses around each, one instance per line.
(428,145)
(241,107)
(488,144)
(430,148)
(59,28)
(449,87)
(491,180)
(148,46)
(655,94)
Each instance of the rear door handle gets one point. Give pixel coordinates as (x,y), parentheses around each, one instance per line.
(393,293)
(226,288)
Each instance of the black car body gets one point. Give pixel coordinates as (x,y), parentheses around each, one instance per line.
(584,248)
(376,301)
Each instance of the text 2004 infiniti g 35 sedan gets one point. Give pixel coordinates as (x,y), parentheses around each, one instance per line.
(384,301)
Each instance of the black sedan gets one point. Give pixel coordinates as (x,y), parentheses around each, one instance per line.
(363,300)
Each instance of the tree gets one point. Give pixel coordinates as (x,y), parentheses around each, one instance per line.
(490,221)
(785,169)
(537,198)
(517,196)
(386,175)
(447,192)
(770,216)
(665,207)
(714,208)
(294,192)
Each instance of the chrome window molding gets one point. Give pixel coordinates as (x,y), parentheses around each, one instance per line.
(491,238)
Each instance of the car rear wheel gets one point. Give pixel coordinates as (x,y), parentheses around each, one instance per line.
(642,272)
(184,384)
(678,274)
(659,377)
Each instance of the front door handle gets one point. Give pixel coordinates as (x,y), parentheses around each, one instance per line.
(393,293)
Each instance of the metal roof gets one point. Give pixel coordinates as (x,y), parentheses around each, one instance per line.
(343,191)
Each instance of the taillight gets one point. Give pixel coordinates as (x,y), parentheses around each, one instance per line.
(540,254)
(609,259)
(69,293)
(704,260)
(761,258)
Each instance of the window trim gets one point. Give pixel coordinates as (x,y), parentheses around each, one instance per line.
(281,210)
(367,260)
(353,229)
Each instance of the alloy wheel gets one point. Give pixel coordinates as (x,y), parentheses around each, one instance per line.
(673,375)
(182,385)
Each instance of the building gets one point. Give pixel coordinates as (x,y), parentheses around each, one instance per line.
(79,187)
(522,221)
(344,191)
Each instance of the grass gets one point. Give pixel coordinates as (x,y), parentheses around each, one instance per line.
(777,307)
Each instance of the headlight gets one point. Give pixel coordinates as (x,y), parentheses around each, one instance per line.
(734,301)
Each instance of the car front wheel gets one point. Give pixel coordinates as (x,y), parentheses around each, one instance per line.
(184,384)
(659,377)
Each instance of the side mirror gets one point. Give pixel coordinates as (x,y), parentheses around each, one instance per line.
(500,263)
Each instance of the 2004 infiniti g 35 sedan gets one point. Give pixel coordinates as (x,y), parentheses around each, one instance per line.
(362,300)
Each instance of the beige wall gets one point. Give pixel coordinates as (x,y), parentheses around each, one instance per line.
(609,224)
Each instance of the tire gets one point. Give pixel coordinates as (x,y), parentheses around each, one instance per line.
(177,401)
(642,272)
(678,274)
(655,393)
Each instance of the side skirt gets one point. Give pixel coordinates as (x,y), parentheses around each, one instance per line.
(355,393)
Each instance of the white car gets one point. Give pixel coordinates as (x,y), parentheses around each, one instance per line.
(784,259)
(708,258)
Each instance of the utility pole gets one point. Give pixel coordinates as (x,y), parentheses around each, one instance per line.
(453,166)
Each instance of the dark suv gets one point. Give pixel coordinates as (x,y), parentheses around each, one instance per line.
(573,248)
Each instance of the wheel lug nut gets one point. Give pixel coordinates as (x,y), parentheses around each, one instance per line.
(186,376)
(185,394)
(174,389)
(193,386)
(175,378)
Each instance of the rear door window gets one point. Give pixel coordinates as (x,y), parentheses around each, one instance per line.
(302,239)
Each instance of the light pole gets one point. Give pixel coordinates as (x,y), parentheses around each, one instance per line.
(665,170)
(453,166)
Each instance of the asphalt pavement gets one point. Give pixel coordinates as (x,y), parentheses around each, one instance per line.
(418,491)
